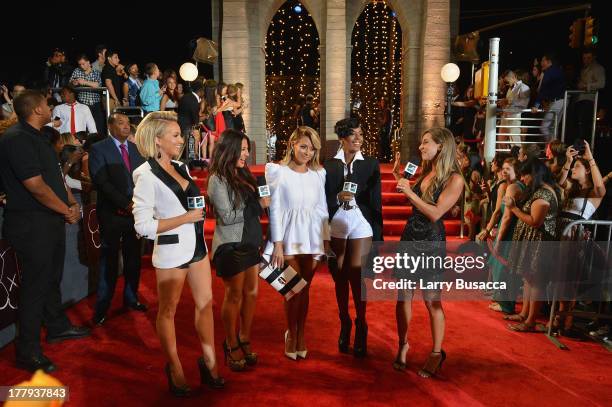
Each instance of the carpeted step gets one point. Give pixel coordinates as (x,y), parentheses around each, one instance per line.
(396,212)
(391,227)
(394,198)
(396,227)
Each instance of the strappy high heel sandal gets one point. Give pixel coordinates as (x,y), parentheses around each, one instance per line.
(236,365)
(433,364)
(250,357)
(398,363)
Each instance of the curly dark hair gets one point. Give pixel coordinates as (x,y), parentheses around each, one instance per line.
(345,127)
(227,152)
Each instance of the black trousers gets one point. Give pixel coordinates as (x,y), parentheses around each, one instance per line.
(99,116)
(117,234)
(39,240)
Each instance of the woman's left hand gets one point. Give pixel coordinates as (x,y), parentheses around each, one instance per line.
(403,186)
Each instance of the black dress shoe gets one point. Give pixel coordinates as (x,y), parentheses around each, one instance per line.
(74,332)
(99,320)
(34,363)
(137,306)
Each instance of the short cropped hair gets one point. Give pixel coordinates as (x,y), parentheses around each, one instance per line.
(345,127)
(151,127)
(26,102)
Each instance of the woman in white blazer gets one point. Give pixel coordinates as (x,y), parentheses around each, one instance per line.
(161,213)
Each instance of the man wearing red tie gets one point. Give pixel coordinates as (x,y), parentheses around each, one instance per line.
(75,116)
(111,163)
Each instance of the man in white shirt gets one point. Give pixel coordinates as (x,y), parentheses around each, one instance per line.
(592,79)
(75,117)
(517,99)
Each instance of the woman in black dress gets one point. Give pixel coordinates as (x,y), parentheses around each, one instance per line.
(435,192)
(232,191)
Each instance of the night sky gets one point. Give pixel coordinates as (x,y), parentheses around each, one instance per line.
(128,29)
(157,34)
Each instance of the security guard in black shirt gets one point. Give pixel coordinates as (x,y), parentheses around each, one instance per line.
(38,205)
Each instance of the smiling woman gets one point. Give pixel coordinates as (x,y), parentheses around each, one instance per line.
(163,188)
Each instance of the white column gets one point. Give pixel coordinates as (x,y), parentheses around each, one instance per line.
(491,118)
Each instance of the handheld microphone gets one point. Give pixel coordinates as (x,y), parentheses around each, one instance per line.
(263,189)
(197,202)
(412,167)
(349,187)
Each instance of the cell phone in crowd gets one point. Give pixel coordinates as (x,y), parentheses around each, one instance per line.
(579,146)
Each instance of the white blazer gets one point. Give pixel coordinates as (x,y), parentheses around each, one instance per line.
(154,200)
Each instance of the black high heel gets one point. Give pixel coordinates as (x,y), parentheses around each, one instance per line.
(236,365)
(398,364)
(207,378)
(344,340)
(360,347)
(182,391)
(433,364)
(250,357)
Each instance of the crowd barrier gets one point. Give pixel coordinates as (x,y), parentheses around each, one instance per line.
(597,234)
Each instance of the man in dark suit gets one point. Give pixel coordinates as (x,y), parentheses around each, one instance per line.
(188,118)
(189,108)
(111,163)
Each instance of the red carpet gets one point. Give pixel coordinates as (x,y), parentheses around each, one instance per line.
(121,364)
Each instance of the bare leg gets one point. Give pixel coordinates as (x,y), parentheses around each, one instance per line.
(341,281)
(403,315)
(211,146)
(231,309)
(308,267)
(534,305)
(169,288)
(200,281)
(526,296)
(358,248)
(438,323)
(249,298)
(292,310)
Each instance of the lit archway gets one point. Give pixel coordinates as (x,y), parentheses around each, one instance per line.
(376,71)
(292,68)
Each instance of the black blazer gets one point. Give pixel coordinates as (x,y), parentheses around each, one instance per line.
(366,174)
(111,178)
(188,112)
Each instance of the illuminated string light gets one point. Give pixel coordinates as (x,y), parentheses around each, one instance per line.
(376,68)
(292,68)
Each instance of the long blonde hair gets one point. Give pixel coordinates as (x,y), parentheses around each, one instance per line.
(304,131)
(445,161)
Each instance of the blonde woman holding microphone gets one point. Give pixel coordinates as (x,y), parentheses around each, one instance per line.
(168,208)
